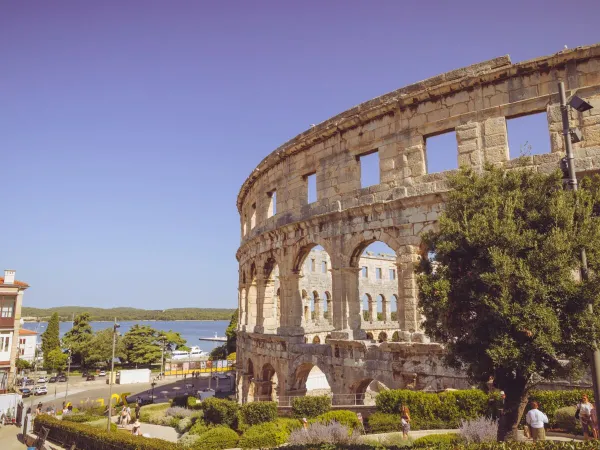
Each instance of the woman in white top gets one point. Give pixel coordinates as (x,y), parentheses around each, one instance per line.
(585,416)
(536,420)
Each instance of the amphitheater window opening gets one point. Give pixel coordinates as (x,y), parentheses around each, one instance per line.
(311,187)
(269,384)
(369,169)
(367,308)
(528,135)
(324,267)
(370,335)
(316,340)
(396,337)
(394,308)
(365,272)
(392,274)
(311,379)
(441,151)
(382,337)
(253,217)
(252,310)
(381,308)
(378,275)
(327,306)
(313,265)
(366,390)
(272,204)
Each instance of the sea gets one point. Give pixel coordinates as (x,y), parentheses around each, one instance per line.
(190,330)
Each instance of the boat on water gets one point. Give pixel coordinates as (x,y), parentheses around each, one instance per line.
(195,352)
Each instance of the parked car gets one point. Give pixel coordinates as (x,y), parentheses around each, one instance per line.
(220,376)
(25,392)
(42,380)
(52,380)
(90,378)
(29,382)
(102,373)
(40,390)
(61,378)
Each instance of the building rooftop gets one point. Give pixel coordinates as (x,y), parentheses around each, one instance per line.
(16,283)
(24,332)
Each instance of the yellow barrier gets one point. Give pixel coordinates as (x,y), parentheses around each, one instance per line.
(189,371)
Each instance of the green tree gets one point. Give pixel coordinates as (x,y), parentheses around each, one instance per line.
(56,360)
(22,364)
(229,347)
(50,337)
(78,338)
(498,288)
(100,348)
(173,340)
(141,345)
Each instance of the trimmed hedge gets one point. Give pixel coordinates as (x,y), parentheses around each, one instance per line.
(217,438)
(310,406)
(91,438)
(383,423)
(564,418)
(551,401)
(540,445)
(434,440)
(80,418)
(264,435)
(220,412)
(258,412)
(346,418)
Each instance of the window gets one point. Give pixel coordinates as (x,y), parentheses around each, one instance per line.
(7,305)
(441,152)
(272,204)
(311,187)
(22,351)
(392,274)
(313,266)
(253,216)
(324,267)
(365,272)
(378,273)
(369,169)
(21,341)
(4,342)
(528,135)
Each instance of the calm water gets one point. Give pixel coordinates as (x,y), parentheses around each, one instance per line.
(190,330)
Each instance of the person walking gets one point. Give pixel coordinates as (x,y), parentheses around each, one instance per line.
(137,411)
(584,413)
(136,429)
(536,420)
(405,421)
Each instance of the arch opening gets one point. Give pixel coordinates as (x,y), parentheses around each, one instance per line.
(366,390)
(311,380)
(269,384)
(314,263)
(270,306)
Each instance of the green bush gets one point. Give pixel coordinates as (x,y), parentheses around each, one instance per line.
(264,435)
(191,402)
(434,440)
(217,438)
(288,424)
(564,418)
(542,445)
(92,438)
(310,406)
(79,418)
(551,401)
(220,412)
(258,412)
(383,423)
(199,428)
(101,423)
(347,418)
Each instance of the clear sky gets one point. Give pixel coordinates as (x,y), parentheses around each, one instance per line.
(127,128)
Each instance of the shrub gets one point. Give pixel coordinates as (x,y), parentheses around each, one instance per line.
(310,406)
(264,435)
(288,424)
(217,438)
(346,418)
(91,438)
(192,402)
(384,423)
(434,440)
(184,425)
(551,401)
(478,430)
(258,412)
(79,418)
(318,433)
(564,418)
(101,423)
(178,412)
(180,401)
(220,412)
(153,413)
(199,428)
(189,440)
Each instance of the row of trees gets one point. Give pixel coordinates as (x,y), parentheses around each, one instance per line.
(141,344)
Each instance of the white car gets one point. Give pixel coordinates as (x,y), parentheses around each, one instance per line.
(42,380)
(102,373)
(39,390)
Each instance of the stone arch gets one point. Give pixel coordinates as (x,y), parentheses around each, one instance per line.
(248,385)
(269,383)
(267,299)
(396,337)
(242,308)
(394,308)
(383,337)
(327,302)
(305,246)
(381,304)
(358,243)
(366,389)
(316,340)
(369,335)
(252,302)
(367,309)
(318,379)
(305,306)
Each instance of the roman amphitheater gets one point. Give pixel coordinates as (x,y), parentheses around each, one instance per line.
(310,300)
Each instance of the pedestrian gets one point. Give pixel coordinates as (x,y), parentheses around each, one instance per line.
(536,420)
(584,414)
(305,424)
(123,417)
(136,429)
(137,411)
(594,420)
(405,421)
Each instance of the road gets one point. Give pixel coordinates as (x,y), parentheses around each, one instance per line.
(79,390)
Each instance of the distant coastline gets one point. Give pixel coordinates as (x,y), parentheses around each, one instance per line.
(45,319)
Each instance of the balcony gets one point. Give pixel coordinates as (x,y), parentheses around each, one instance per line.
(7,322)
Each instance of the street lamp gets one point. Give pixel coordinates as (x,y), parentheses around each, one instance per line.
(162,358)
(68,372)
(573,135)
(112,369)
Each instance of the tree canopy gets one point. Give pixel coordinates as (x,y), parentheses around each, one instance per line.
(141,345)
(78,338)
(51,337)
(222,351)
(100,348)
(498,288)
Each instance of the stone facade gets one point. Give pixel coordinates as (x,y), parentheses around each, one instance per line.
(279,227)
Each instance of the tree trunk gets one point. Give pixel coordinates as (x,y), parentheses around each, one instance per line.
(516,400)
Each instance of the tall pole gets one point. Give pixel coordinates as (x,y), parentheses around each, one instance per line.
(162,358)
(68,372)
(564,109)
(112,369)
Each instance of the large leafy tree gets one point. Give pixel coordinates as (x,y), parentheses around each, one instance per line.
(172,340)
(142,345)
(498,288)
(78,338)
(51,337)
(100,347)
(56,360)
(222,351)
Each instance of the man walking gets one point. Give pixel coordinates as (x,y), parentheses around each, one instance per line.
(536,420)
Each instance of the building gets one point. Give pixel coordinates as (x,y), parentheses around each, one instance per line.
(287,326)
(11,299)
(27,345)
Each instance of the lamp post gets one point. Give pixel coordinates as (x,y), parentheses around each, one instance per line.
(574,135)
(68,372)
(112,369)
(162,358)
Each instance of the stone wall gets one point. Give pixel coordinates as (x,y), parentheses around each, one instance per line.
(474,102)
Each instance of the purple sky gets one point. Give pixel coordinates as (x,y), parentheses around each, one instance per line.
(127,128)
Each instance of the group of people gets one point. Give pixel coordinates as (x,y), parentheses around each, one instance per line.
(125,418)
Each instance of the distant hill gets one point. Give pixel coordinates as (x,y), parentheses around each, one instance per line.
(100,314)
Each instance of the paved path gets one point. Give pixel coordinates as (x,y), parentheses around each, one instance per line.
(420,433)
(157,431)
